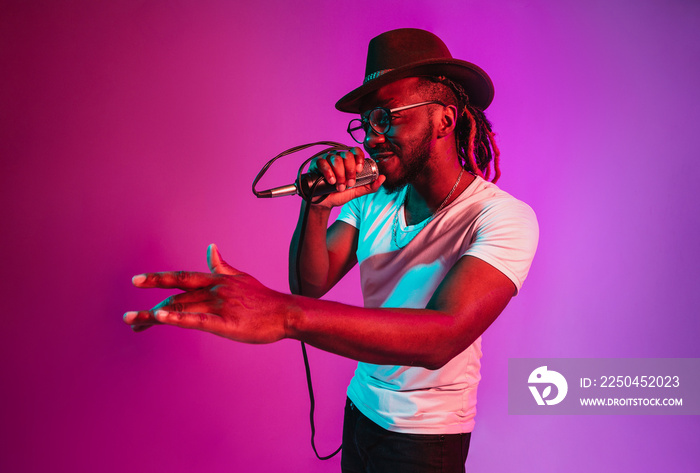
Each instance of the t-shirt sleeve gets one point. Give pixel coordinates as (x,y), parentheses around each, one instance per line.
(350,212)
(506,237)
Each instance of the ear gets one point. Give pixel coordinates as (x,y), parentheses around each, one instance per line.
(448,121)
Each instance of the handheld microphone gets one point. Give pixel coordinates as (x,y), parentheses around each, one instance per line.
(303,186)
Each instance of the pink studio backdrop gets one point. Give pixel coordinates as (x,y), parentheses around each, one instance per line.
(130,133)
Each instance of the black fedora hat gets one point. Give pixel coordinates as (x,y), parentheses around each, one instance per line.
(410,52)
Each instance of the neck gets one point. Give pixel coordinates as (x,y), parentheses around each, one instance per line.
(436,188)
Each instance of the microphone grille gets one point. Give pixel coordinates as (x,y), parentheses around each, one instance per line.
(370,172)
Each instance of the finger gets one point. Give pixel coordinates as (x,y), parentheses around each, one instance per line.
(376,184)
(140,318)
(199,295)
(350,167)
(144,319)
(323,166)
(185,280)
(216,264)
(193,307)
(359,158)
(194,320)
(338,164)
(177,305)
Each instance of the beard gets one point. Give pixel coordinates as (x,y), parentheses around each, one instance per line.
(413,161)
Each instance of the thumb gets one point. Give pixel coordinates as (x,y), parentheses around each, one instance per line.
(337,199)
(371,187)
(216,264)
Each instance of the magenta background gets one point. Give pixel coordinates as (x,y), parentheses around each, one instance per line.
(130,132)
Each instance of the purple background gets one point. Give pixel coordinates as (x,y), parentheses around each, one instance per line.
(130,132)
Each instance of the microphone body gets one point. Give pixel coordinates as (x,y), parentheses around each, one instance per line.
(303,186)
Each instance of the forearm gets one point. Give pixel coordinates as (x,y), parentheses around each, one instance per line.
(314,259)
(452,320)
(408,337)
(327,254)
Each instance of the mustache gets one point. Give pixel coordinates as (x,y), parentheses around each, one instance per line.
(384,148)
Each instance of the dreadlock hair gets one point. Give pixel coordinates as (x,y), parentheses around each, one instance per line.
(476,143)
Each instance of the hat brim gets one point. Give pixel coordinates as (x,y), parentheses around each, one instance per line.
(475,81)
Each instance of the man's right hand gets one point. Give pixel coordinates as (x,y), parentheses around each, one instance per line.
(339,168)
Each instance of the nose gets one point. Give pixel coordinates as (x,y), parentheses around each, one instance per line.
(372,139)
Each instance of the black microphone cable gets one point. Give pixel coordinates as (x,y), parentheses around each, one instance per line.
(333,146)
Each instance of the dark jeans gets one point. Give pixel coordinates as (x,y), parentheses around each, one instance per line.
(367,448)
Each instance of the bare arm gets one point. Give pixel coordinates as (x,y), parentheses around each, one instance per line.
(430,337)
(327,254)
(234,305)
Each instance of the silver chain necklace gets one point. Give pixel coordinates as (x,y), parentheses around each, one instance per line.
(395,225)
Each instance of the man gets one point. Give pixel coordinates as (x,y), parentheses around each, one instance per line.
(441,252)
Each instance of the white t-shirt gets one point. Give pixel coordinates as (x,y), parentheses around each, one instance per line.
(484,222)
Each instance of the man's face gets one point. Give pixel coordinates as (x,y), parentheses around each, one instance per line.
(405,150)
